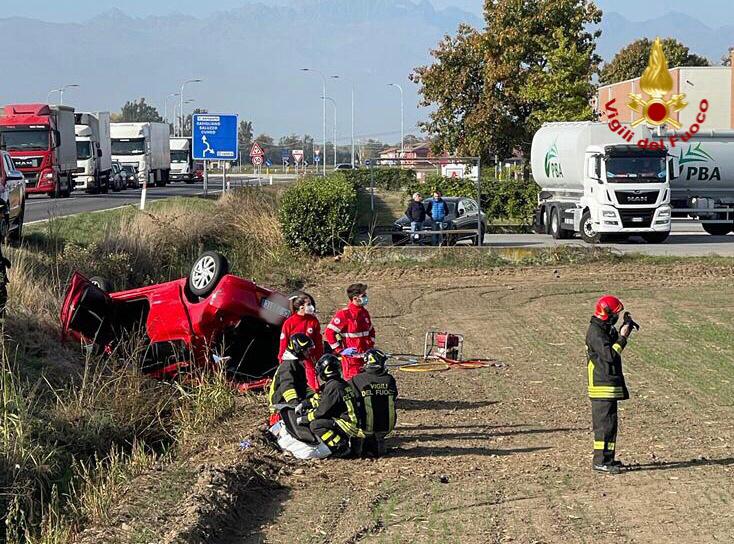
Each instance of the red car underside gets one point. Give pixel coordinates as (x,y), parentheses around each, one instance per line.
(238,319)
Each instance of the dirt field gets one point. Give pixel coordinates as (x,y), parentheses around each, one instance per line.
(505,455)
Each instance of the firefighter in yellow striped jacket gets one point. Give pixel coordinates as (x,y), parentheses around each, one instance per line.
(604,346)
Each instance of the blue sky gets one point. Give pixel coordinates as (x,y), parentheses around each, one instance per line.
(712,12)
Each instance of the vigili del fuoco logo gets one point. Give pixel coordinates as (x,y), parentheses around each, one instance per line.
(654,106)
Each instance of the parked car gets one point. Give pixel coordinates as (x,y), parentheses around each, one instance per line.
(131,175)
(210,317)
(12,199)
(463,215)
(118,179)
(344,166)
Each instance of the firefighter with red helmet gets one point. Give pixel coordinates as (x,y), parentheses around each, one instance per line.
(606,385)
(350,333)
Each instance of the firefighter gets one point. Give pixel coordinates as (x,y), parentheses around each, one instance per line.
(289,385)
(303,320)
(333,418)
(350,333)
(377,392)
(604,346)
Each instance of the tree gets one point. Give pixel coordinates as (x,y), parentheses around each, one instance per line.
(139,112)
(726,59)
(633,58)
(244,135)
(491,90)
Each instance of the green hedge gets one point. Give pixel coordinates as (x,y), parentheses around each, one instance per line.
(317,214)
(501,199)
(391,179)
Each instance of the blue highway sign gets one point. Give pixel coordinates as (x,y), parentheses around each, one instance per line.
(215,137)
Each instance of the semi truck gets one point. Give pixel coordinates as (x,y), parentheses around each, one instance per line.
(182,163)
(703,184)
(145,146)
(42,142)
(594,183)
(93,152)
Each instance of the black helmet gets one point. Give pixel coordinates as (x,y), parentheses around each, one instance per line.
(300,344)
(329,367)
(375,358)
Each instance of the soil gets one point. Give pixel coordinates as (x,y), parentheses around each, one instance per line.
(504,454)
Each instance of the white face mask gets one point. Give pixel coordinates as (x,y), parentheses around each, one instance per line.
(309,309)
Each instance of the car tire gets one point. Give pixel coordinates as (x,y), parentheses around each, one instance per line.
(588,234)
(655,237)
(555,224)
(204,276)
(482,232)
(103,283)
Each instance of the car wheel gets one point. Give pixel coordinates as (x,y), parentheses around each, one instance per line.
(15,235)
(206,273)
(555,224)
(102,283)
(588,234)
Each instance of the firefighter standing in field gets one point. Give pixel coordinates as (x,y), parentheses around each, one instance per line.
(377,392)
(350,333)
(604,346)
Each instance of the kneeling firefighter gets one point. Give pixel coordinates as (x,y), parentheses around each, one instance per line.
(376,408)
(332,417)
(289,387)
(604,346)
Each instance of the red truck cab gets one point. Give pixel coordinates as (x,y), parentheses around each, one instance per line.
(42,142)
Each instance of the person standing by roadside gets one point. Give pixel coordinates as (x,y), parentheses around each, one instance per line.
(303,320)
(350,333)
(438,210)
(604,346)
(416,212)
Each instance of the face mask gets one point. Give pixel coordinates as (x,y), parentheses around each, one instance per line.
(310,309)
(364,300)
(613,320)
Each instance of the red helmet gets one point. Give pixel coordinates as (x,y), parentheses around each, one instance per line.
(606,306)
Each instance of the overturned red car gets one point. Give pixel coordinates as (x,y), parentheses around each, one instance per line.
(210,316)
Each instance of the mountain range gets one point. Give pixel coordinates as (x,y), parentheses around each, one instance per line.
(250,58)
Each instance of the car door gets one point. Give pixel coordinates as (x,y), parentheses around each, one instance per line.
(14,184)
(470,216)
(461,214)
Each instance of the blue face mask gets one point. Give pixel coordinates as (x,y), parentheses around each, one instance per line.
(364,300)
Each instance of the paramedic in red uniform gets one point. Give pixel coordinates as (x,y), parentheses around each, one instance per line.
(350,333)
(303,320)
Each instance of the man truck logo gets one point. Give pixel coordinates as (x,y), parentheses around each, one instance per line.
(656,82)
(553,163)
(701,173)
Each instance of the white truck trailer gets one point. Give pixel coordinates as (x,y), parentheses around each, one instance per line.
(703,185)
(93,152)
(182,163)
(597,184)
(145,146)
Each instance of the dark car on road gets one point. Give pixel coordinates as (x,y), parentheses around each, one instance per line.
(463,215)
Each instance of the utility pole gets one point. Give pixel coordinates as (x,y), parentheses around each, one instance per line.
(334,103)
(181,101)
(323,109)
(352,87)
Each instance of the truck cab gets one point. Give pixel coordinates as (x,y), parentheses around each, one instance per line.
(144,146)
(598,185)
(182,164)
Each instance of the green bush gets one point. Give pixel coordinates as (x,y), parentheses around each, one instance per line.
(390,179)
(317,214)
(513,199)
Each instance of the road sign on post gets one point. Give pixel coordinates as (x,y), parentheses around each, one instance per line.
(257,160)
(256,150)
(214,137)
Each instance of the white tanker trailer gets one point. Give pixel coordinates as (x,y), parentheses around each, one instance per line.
(598,184)
(703,186)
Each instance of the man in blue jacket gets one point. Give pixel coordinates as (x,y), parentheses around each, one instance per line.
(438,210)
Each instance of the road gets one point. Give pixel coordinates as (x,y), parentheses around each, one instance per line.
(687,240)
(41,207)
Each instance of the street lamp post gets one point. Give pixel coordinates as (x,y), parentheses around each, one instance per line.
(165,106)
(402,119)
(352,84)
(323,109)
(334,104)
(61,93)
(181,99)
(180,115)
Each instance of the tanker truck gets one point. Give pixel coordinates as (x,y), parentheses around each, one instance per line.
(595,183)
(703,185)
